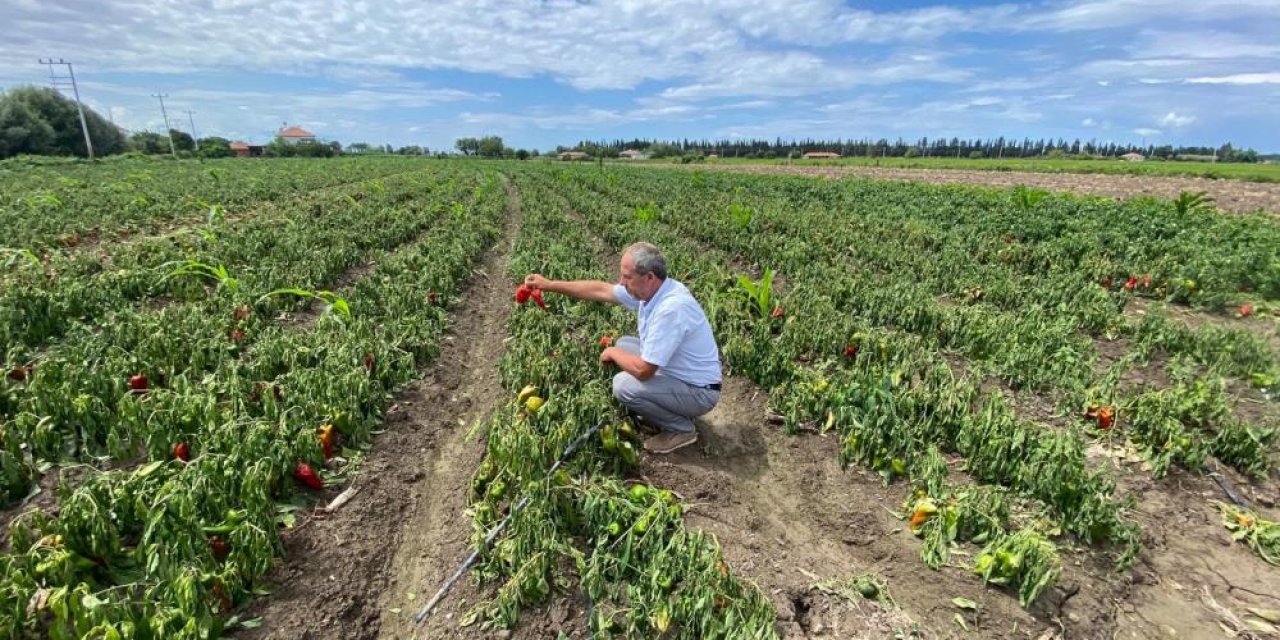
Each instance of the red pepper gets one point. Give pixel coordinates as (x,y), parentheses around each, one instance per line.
(237,335)
(221,594)
(219,548)
(537,297)
(1131,283)
(1146,281)
(777,312)
(522,293)
(1246,310)
(328,439)
(1106,416)
(304,474)
(431,298)
(139,383)
(19,374)
(851,351)
(241,313)
(182,452)
(368,362)
(606,341)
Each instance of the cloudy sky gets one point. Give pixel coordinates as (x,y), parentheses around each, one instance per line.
(546,72)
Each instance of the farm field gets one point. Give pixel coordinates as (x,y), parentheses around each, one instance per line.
(950,411)
(1249,172)
(1229,195)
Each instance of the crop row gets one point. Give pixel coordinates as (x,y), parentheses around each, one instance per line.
(624,547)
(1032,331)
(49,207)
(289,245)
(165,546)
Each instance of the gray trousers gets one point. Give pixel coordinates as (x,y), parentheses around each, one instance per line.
(663,401)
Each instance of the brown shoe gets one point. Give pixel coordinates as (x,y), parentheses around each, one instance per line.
(669,441)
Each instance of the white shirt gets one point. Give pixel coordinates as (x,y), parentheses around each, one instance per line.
(675,334)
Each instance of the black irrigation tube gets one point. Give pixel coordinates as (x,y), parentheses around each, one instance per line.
(573,447)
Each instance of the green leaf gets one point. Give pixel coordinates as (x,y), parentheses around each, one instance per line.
(150,468)
(964,603)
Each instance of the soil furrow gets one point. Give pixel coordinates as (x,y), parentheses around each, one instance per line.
(350,574)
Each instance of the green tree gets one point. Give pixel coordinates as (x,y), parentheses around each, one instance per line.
(214,147)
(490,147)
(22,130)
(182,141)
(39,120)
(468,146)
(149,142)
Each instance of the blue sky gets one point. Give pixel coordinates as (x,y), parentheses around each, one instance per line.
(546,72)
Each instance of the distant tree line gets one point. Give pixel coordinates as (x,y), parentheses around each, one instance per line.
(41,121)
(924,147)
(491,147)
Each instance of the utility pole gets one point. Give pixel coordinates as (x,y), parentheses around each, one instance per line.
(193,127)
(167,129)
(58,83)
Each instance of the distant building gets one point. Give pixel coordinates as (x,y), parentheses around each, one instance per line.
(574,155)
(295,135)
(633,154)
(246,150)
(821,155)
(1133,157)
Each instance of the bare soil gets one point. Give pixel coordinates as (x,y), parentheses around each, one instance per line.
(1229,195)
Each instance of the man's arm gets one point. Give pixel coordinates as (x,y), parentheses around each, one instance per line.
(592,290)
(629,362)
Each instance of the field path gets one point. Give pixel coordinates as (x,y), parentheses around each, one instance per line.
(1229,195)
(351,574)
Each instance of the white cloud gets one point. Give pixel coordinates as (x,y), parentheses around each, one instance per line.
(1143,131)
(749,104)
(1172,119)
(1239,78)
(1087,122)
(801,73)
(1205,44)
(1084,15)
(579,118)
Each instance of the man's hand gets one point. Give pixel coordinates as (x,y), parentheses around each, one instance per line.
(536,281)
(629,362)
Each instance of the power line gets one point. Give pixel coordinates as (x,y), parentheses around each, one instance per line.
(167,128)
(62,82)
(193,126)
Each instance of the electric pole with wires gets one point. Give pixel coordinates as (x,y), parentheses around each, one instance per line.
(62,82)
(167,129)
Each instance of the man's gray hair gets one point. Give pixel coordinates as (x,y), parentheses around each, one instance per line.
(647,259)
